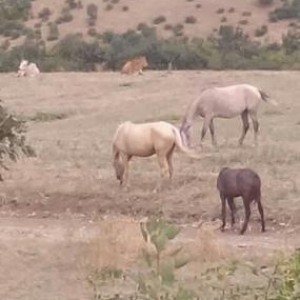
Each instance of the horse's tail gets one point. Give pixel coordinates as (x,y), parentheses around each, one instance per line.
(264,96)
(181,147)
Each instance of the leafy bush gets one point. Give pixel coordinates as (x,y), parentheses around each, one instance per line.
(190,20)
(243,22)
(168,27)
(159,19)
(178,29)
(14,10)
(261,31)
(44,14)
(288,10)
(92,32)
(53,33)
(109,7)
(64,18)
(11,28)
(72,4)
(92,11)
(12,137)
(265,2)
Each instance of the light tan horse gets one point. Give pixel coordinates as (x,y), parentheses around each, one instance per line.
(27,69)
(135,65)
(144,140)
(224,102)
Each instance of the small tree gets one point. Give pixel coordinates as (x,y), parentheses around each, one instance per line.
(265,2)
(92,11)
(12,137)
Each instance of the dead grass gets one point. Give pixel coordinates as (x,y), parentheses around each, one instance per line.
(73,172)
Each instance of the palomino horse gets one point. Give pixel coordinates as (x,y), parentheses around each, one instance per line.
(144,140)
(27,69)
(224,102)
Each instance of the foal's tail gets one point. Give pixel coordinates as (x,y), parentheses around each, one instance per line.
(181,147)
(264,96)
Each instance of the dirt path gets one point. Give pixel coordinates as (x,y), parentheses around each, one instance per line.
(39,257)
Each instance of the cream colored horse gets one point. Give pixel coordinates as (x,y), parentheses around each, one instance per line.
(27,69)
(144,140)
(224,102)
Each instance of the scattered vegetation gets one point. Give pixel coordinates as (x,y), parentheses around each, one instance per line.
(53,33)
(159,20)
(44,14)
(288,10)
(266,2)
(12,137)
(190,20)
(220,11)
(261,31)
(48,116)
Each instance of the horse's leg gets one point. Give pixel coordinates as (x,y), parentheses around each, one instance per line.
(170,163)
(223,199)
(233,210)
(126,159)
(164,169)
(212,133)
(206,123)
(247,215)
(245,121)
(253,116)
(261,212)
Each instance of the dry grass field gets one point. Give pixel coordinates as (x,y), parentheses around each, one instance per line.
(53,204)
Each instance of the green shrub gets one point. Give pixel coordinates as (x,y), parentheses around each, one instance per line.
(109,7)
(190,20)
(178,29)
(125,8)
(44,14)
(72,4)
(14,10)
(243,22)
(261,31)
(92,32)
(220,11)
(246,13)
(64,18)
(159,19)
(92,11)
(53,32)
(265,2)
(168,27)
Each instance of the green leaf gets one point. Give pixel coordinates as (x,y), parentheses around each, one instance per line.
(167,272)
(180,262)
(159,242)
(143,231)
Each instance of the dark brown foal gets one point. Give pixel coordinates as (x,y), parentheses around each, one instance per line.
(243,183)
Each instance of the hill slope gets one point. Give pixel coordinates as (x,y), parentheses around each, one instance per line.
(121,15)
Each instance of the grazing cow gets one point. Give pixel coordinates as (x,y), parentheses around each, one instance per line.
(27,69)
(243,183)
(224,102)
(135,65)
(144,140)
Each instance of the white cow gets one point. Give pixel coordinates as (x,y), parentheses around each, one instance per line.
(27,69)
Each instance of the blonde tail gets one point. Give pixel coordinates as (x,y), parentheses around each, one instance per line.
(181,147)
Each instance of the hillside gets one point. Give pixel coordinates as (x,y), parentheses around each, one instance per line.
(120,15)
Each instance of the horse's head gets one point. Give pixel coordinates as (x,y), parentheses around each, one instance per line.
(119,170)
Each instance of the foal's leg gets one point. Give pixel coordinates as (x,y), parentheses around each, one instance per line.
(206,123)
(223,199)
(164,169)
(247,214)
(245,121)
(233,210)
(212,133)
(261,212)
(253,116)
